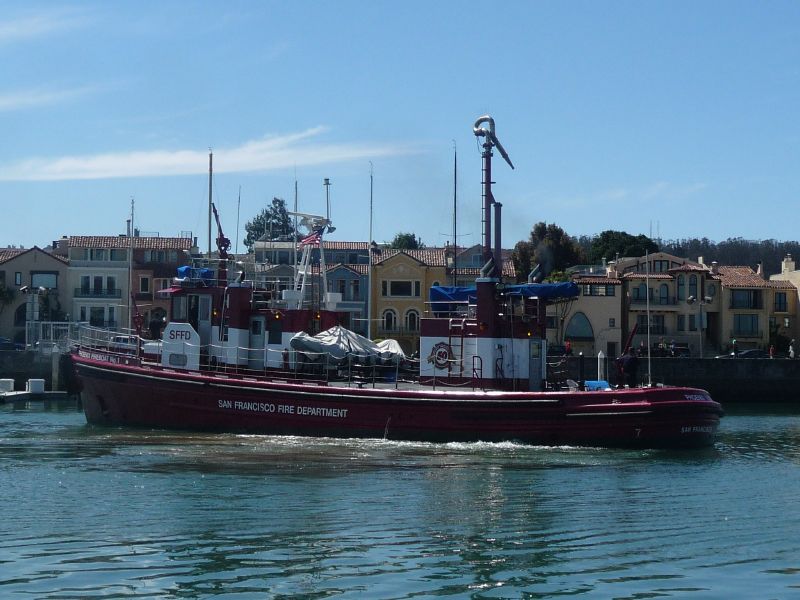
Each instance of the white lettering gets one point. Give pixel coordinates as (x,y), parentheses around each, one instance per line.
(285,409)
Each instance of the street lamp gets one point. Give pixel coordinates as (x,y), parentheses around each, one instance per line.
(706,300)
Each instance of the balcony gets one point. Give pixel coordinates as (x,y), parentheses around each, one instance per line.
(656,302)
(97,293)
(749,334)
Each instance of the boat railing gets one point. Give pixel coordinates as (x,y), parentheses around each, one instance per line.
(123,342)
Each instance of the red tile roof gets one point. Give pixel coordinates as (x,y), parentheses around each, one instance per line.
(745,277)
(637,275)
(139,243)
(7,254)
(333,245)
(597,280)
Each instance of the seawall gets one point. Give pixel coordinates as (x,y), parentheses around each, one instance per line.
(751,380)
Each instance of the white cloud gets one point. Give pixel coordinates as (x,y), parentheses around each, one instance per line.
(266,154)
(35,26)
(24,99)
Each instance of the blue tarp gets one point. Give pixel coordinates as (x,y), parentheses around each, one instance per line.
(445,298)
(187,272)
(543,291)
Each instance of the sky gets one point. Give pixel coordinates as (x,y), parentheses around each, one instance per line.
(671,119)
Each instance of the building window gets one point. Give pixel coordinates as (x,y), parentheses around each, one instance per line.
(660,266)
(612,322)
(656,324)
(746,299)
(693,285)
(692,322)
(401,288)
(18,278)
(681,287)
(663,294)
(786,322)
(389,320)
(745,324)
(119,255)
(598,290)
(144,285)
(355,289)
(681,322)
(780,302)
(98,254)
(579,328)
(412,320)
(44,280)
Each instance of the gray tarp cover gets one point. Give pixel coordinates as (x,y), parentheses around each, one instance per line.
(339,342)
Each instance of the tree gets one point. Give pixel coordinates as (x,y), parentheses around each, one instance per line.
(406,241)
(7,296)
(550,248)
(272,223)
(610,244)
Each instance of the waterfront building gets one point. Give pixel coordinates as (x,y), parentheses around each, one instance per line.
(106,280)
(785,317)
(689,306)
(36,289)
(757,312)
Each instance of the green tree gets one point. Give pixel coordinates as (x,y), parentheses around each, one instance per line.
(406,241)
(610,244)
(7,296)
(271,223)
(550,248)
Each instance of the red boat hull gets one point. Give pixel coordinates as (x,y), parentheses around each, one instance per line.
(144,396)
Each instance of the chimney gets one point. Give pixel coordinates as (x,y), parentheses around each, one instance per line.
(714,267)
(787,265)
(760,270)
(700,260)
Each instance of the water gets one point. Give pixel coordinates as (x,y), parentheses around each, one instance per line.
(113,513)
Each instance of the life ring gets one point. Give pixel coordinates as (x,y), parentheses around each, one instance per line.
(441,355)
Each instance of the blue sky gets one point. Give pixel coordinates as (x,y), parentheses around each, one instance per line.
(679,118)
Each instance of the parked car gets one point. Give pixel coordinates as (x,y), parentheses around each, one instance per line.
(749,353)
(126,344)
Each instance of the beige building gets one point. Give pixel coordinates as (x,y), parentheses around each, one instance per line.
(37,289)
(108,284)
(663,301)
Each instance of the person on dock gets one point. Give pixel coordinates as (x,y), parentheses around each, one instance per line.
(628,367)
(791,349)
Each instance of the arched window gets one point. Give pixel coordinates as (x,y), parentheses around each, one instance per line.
(663,294)
(681,287)
(21,315)
(412,320)
(579,328)
(389,320)
(693,285)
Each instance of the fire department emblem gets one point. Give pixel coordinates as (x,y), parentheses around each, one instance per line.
(440,355)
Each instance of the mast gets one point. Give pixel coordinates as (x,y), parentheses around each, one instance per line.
(455,212)
(130,268)
(369,255)
(294,245)
(492,267)
(210,174)
(238,207)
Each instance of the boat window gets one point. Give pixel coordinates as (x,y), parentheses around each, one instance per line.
(275,331)
(178,360)
(179,308)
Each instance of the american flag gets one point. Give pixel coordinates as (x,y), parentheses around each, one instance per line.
(313,239)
